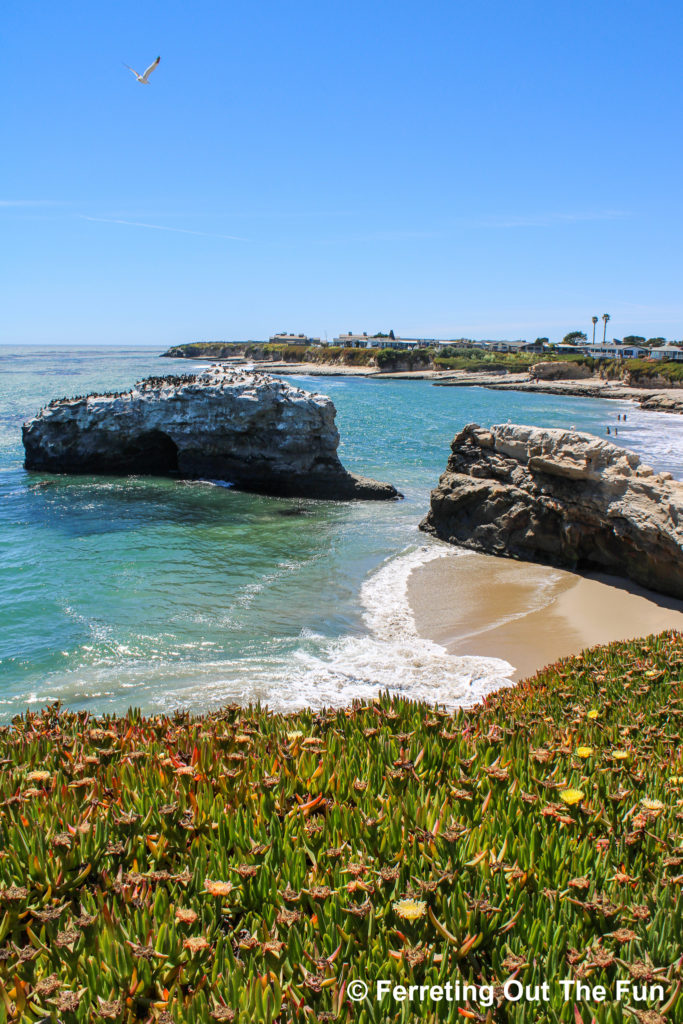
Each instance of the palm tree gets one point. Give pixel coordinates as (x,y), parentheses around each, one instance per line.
(595,320)
(605,317)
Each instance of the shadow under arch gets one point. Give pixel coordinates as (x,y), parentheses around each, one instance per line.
(152,452)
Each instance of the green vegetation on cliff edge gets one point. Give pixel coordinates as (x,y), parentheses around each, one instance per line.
(474,360)
(249,866)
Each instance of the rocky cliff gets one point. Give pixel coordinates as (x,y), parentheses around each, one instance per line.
(257,432)
(564,498)
(205,350)
(559,369)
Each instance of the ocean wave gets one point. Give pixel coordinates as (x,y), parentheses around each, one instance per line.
(393,656)
(319,672)
(657,437)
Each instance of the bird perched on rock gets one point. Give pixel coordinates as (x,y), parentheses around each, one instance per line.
(144,78)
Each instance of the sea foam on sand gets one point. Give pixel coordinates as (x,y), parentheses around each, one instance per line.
(393,656)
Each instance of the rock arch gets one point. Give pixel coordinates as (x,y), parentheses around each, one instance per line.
(150,452)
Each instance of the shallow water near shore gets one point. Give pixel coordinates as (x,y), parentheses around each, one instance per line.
(160,593)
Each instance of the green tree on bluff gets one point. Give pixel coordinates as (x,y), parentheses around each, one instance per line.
(575,337)
(634,339)
(605,319)
(594,320)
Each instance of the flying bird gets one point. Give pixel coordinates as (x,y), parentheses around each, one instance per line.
(144,78)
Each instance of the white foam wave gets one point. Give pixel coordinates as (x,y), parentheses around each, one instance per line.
(320,672)
(211,483)
(393,657)
(657,437)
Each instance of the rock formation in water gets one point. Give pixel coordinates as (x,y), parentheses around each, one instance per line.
(661,401)
(259,433)
(564,498)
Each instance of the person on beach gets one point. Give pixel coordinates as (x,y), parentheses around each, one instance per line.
(608,430)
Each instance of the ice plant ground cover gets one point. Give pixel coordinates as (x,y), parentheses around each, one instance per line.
(249,866)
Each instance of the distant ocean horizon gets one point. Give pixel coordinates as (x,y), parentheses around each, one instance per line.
(161,593)
(6,347)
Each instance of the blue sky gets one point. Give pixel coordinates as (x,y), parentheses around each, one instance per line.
(480,169)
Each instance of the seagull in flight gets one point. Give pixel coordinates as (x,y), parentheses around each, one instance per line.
(144,78)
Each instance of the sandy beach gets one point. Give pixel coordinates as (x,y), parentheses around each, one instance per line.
(530,615)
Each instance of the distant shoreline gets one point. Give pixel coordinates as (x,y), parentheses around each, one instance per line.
(651,399)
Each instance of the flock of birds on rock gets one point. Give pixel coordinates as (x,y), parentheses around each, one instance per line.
(147,384)
(82,398)
(159,382)
(150,383)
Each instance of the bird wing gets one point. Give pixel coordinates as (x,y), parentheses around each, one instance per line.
(150,69)
(131,69)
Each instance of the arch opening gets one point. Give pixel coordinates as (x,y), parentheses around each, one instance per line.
(152,452)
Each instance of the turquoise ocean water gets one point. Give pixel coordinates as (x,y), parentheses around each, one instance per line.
(161,593)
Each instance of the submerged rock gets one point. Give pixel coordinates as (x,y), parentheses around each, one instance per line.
(564,498)
(259,433)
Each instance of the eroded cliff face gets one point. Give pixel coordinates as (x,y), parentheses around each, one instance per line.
(561,497)
(559,370)
(253,430)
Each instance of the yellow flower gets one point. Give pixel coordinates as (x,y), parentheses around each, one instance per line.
(571,796)
(410,910)
(593,714)
(292,737)
(676,780)
(652,805)
(216,888)
(620,755)
(584,751)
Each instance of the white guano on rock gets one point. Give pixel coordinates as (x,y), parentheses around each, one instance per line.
(250,429)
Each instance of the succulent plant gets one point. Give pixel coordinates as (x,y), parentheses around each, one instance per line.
(248,866)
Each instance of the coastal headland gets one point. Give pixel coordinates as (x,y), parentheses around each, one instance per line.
(660,396)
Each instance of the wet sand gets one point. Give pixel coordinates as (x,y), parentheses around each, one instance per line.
(530,615)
